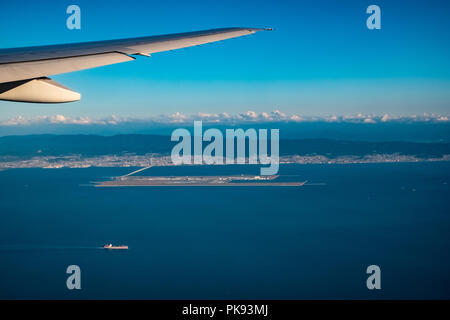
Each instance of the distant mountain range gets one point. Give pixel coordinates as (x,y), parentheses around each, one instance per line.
(382,131)
(29,146)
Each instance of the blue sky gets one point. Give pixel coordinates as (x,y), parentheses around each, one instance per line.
(319,60)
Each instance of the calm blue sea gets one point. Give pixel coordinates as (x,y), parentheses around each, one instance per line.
(228,243)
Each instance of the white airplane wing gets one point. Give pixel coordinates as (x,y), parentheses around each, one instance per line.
(24,71)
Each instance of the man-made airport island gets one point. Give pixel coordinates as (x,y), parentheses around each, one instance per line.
(199,181)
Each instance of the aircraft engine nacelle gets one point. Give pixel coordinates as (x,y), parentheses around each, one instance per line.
(39,90)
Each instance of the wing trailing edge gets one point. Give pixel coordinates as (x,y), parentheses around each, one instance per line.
(48,67)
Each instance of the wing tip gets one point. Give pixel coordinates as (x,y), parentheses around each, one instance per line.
(260,29)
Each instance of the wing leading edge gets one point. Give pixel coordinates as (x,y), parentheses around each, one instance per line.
(30,63)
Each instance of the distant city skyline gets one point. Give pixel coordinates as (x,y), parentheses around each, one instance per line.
(320,60)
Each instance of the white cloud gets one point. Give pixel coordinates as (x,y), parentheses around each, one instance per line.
(333,118)
(266,116)
(295,118)
(225,115)
(248,116)
(19,120)
(369,120)
(177,117)
(60,119)
(278,114)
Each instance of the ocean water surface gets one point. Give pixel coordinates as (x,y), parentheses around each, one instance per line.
(311,242)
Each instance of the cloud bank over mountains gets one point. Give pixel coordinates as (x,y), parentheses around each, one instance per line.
(221,118)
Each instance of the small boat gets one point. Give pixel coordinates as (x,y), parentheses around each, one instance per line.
(110,246)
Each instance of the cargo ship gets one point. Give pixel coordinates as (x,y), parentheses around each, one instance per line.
(110,246)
